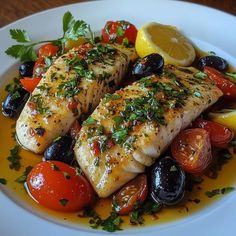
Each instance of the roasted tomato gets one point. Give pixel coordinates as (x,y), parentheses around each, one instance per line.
(48,50)
(226,86)
(134,192)
(29,84)
(119,32)
(39,67)
(192,150)
(56,185)
(220,136)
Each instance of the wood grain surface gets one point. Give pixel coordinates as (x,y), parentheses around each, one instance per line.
(12,10)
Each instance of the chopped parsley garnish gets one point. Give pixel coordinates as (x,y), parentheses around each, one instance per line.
(23,177)
(67,175)
(90,121)
(69,88)
(63,201)
(96,161)
(218,191)
(55,167)
(110,97)
(72,30)
(3,181)
(14,158)
(40,107)
(232,75)
(13,86)
(200,75)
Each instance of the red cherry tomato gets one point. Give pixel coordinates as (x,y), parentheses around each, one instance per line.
(117,31)
(226,86)
(220,136)
(29,83)
(96,148)
(39,67)
(192,150)
(132,193)
(48,50)
(55,185)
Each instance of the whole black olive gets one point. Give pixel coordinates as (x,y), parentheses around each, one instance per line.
(167,182)
(61,150)
(14,102)
(213,61)
(26,69)
(151,64)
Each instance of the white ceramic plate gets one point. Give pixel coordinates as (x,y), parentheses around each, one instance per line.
(209,29)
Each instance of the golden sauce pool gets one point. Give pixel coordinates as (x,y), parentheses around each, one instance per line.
(17,191)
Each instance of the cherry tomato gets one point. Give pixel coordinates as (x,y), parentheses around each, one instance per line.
(56,185)
(39,67)
(48,50)
(220,136)
(117,31)
(96,148)
(226,86)
(29,83)
(132,193)
(192,150)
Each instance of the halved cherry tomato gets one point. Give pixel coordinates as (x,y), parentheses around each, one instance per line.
(48,50)
(192,150)
(220,136)
(117,31)
(29,83)
(226,86)
(56,185)
(134,192)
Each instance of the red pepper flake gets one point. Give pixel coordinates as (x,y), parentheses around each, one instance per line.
(110,143)
(72,105)
(96,148)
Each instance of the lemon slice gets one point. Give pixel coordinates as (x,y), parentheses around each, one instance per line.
(166,40)
(226,117)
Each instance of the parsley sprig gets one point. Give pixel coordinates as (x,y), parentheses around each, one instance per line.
(72,30)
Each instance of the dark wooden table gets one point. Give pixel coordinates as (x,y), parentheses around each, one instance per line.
(11,10)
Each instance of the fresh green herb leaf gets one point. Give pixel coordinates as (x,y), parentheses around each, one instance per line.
(63,201)
(3,181)
(14,158)
(90,121)
(68,21)
(96,161)
(112,223)
(41,108)
(13,86)
(23,177)
(120,135)
(78,171)
(20,36)
(66,175)
(120,32)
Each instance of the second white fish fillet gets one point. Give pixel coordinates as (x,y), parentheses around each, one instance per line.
(131,128)
(72,86)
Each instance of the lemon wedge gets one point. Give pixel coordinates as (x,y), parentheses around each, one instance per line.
(166,40)
(225,117)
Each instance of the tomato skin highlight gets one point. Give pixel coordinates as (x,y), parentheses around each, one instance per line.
(29,83)
(117,31)
(226,86)
(132,193)
(220,136)
(55,185)
(48,50)
(192,150)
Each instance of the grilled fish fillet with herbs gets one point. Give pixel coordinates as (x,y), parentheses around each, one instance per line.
(131,128)
(72,86)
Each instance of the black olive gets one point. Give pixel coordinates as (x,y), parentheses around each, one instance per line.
(213,61)
(26,69)
(167,182)
(14,102)
(151,64)
(61,150)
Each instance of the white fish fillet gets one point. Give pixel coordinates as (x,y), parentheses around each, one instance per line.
(180,94)
(47,114)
